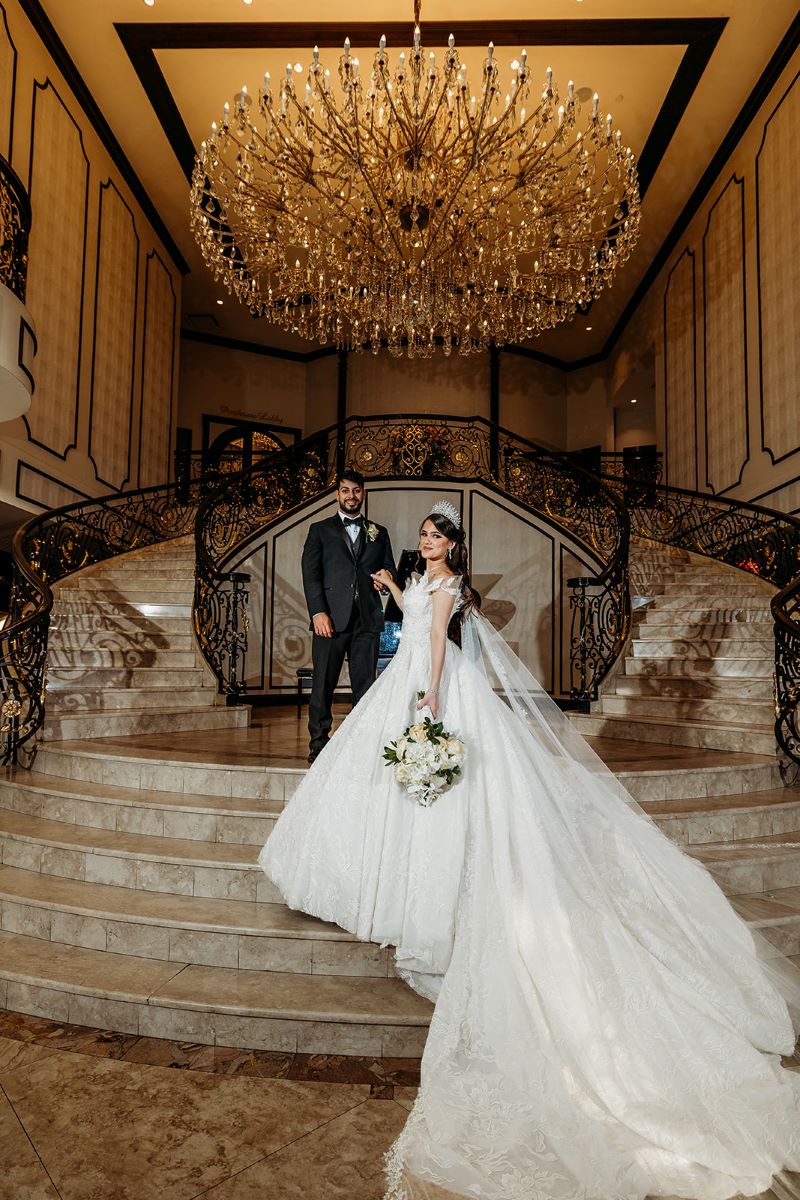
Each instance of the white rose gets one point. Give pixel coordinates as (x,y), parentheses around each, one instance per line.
(401,745)
(402,773)
(417,732)
(455,748)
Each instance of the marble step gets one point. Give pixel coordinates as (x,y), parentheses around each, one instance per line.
(704,632)
(124,568)
(215,870)
(761,713)
(259,1010)
(699,668)
(129,657)
(76,699)
(64,725)
(690,597)
(184,929)
(739,583)
(740,869)
(111,637)
(136,592)
(133,622)
(728,819)
(776,914)
(185,815)
(693,774)
(664,647)
(122,677)
(725,688)
(119,610)
(677,732)
(655,615)
(158,585)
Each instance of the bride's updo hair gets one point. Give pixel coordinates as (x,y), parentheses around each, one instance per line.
(458,562)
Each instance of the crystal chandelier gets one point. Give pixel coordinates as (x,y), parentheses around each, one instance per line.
(411,208)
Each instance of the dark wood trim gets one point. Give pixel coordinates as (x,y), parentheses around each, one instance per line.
(126,479)
(42,87)
(698,34)
(57,50)
(745,117)
(229,343)
(24,328)
(68,487)
(771,491)
(246,425)
(13,106)
(548,360)
(169,467)
(781,457)
(687,253)
(736,181)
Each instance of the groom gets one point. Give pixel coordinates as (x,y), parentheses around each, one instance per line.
(339,557)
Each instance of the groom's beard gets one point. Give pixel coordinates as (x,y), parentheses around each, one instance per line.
(352,508)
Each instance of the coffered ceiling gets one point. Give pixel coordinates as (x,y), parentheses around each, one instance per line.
(674,75)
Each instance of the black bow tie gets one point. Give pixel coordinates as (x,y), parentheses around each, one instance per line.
(352,520)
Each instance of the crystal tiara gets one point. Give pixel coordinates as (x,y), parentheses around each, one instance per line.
(445,509)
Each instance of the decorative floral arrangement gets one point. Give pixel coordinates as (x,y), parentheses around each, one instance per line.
(426,759)
(371,530)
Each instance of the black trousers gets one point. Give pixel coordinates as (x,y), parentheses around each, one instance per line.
(360,647)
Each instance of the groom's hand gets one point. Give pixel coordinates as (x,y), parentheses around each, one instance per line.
(323,625)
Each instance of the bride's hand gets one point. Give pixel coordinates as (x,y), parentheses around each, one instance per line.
(430,700)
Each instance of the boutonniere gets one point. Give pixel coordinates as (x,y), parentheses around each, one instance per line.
(371,530)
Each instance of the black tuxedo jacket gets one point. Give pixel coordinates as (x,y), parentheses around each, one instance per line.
(336,573)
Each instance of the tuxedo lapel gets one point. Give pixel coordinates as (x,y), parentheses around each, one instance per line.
(341,532)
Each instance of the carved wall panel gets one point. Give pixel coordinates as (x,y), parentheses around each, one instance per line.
(155,431)
(59,182)
(777,189)
(725,340)
(40,488)
(680,375)
(114,339)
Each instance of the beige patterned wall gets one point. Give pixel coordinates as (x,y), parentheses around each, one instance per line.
(114,339)
(725,341)
(679,374)
(8,62)
(89,249)
(59,200)
(778,190)
(155,439)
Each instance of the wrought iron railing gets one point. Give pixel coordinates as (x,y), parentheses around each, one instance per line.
(50,547)
(747,536)
(15,227)
(401,447)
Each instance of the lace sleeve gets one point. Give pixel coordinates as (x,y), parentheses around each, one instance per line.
(446,583)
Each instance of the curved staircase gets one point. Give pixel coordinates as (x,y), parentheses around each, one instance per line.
(129,893)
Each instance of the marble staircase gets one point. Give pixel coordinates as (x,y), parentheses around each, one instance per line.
(698,668)
(122,656)
(130,898)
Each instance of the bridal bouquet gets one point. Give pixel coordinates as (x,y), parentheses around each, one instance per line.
(426,759)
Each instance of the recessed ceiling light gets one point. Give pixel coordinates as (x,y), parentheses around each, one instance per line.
(248,1)
(149,3)
(633,401)
(588,328)
(220,302)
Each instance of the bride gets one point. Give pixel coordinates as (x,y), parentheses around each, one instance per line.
(606,1027)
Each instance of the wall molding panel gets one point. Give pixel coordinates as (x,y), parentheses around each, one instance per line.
(37,487)
(778,249)
(8,86)
(114,351)
(158,359)
(680,373)
(725,393)
(58,186)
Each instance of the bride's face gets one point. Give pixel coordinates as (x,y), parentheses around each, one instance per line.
(433,545)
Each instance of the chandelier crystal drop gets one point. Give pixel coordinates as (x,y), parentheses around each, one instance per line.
(411,207)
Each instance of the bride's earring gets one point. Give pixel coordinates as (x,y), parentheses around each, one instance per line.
(449,553)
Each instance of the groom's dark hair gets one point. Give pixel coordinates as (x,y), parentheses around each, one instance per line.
(351,477)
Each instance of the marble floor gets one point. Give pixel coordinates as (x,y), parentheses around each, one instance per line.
(87,1115)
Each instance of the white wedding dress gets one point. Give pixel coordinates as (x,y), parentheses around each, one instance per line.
(605,1026)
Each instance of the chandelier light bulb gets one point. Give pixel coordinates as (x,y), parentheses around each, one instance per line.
(401,207)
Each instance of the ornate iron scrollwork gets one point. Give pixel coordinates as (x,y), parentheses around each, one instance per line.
(47,549)
(430,447)
(15,227)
